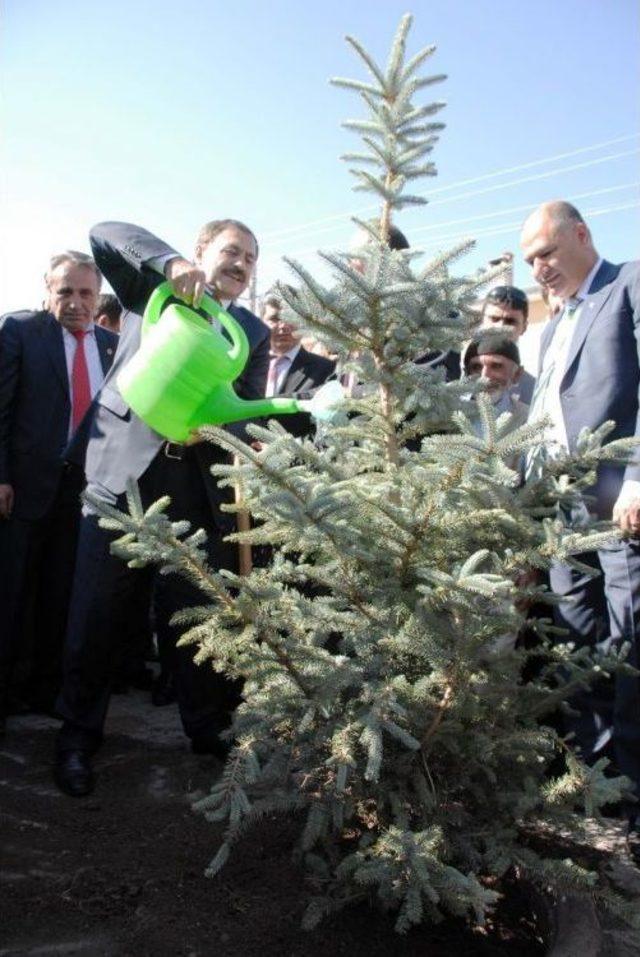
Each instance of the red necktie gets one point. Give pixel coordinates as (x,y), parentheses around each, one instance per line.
(80,385)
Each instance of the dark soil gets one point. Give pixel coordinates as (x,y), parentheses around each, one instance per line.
(122,872)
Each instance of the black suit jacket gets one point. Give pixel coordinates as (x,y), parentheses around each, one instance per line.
(306,373)
(119,445)
(35,406)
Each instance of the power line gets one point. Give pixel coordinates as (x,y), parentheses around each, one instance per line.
(498,186)
(537,176)
(510,228)
(516,226)
(522,209)
(513,182)
(303,227)
(505,228)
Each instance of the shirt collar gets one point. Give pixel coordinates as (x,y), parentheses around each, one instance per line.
(290,355)
(90,330)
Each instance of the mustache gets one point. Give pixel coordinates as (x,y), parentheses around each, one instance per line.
(236,274)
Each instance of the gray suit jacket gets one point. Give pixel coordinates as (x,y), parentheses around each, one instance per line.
(120,446)
(602,374)
(35,406)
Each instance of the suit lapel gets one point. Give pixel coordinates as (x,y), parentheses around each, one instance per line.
(547,339)
(589,311)
(54,346)
(295,374)
(601,289)
(237,313)
(106,349)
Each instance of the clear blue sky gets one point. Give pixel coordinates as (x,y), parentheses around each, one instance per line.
(170,114)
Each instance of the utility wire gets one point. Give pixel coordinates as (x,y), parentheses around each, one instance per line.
(514,226)
(521,209)
(536,176)
(492,189)
(509,228)
(304,227)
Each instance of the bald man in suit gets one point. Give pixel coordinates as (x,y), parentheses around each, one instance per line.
(589,373)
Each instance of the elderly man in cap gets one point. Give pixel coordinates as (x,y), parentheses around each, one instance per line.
(494,357)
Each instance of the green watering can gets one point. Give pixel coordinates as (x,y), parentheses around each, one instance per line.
(181,376)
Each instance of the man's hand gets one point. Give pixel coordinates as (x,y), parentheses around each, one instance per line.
(6,501)
(627,517)
(189,282)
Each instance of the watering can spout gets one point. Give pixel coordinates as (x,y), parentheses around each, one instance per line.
(224,406)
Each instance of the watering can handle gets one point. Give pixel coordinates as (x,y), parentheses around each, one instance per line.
(239,352)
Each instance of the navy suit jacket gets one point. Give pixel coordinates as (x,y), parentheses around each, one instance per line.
(602,374)
(119,445)
(35,406)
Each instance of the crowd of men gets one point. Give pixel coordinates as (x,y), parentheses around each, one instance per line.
(68,603)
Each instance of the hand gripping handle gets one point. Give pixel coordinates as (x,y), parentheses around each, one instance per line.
(239,351)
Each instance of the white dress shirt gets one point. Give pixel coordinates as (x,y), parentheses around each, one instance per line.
(547,401)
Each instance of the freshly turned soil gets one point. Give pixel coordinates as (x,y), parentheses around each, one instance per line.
(122,872)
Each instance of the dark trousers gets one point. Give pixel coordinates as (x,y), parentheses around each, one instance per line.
(603,613)
(37,560)
(106,591)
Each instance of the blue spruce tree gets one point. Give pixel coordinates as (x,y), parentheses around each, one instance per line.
(380,703)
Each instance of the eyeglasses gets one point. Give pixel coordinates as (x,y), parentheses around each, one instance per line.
(508,294)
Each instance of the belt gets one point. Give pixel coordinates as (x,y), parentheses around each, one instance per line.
(177,452)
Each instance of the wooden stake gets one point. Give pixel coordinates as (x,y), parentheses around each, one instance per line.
(245,559)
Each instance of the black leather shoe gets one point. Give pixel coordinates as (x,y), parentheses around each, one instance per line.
(163,691)
(73,774)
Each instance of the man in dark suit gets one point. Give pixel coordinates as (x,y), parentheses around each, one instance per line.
(293,370)
(589,373)
(121,447)
(52,363)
